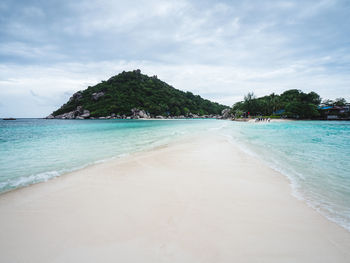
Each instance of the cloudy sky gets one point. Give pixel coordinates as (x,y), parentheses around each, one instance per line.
(221,50)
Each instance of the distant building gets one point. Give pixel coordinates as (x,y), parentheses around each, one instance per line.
(279,112)
(335,112)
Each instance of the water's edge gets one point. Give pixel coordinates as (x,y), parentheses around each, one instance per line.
(287,145)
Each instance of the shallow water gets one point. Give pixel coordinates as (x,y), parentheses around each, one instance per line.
(34,150)
(314,155)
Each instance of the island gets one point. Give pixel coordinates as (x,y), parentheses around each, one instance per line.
(133,95)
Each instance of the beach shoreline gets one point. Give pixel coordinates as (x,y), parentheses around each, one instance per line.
(197,200)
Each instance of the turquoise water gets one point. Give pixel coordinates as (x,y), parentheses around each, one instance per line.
(314,155)
(34,150)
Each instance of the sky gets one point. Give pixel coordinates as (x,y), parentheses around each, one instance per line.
(221,50)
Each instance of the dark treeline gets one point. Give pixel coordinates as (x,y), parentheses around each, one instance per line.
(291,104)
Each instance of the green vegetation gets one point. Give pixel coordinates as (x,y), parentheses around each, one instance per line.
(132,89)
(336,102)
(291,103)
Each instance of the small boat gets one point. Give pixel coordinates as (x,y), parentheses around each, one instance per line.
(9,119)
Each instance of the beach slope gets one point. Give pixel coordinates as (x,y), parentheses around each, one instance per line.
(199,200)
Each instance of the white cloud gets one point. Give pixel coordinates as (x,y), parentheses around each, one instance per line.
(220,50)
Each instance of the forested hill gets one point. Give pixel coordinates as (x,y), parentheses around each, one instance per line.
(129,90)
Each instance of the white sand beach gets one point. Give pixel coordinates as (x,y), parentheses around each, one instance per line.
(198,200)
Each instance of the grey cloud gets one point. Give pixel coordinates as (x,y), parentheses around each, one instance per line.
(219,49)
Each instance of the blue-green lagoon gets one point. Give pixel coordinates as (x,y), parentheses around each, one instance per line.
(314,155)
(34,150)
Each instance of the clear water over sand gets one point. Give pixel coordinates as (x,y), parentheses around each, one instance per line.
(314,155)
(33,150)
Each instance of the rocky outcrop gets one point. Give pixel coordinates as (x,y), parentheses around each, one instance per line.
(139,114)
(226,113)
(76,97)
(68,115)
(95,96)
(86,114)
(191,115)
(79,110)
(79,113)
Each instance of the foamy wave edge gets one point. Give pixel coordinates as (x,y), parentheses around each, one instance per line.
(24,181)
(293,183)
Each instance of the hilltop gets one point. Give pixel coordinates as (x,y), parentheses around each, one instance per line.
(132,93)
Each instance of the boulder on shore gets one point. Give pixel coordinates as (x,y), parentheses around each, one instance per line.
(139,114)
(79,112)
(226,113)
(86,114)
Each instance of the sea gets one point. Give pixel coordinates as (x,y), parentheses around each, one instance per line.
(313,155)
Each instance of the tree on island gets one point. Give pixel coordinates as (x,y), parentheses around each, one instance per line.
(336,102)
(291,103)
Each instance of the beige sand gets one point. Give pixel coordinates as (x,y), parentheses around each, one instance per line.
(200,200)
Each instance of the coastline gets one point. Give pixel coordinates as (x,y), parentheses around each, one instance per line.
(194,200)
